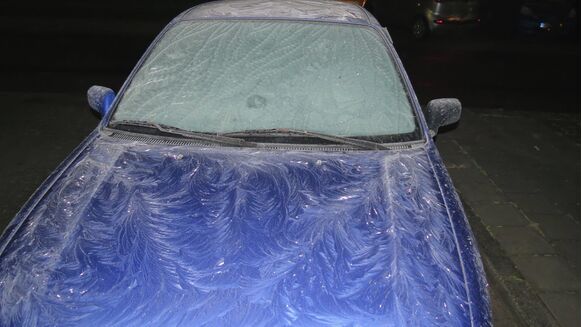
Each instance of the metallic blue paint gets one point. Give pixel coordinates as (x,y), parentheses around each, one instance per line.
(100,99)
(107,102)
(138,234)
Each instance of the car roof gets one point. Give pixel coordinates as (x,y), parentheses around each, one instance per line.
(315,10)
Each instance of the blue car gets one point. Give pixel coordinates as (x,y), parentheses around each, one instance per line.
(266,163)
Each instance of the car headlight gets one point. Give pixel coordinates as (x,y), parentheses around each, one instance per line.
(526,11)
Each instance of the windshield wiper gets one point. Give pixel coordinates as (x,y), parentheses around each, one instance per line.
(175,131)
(369,145)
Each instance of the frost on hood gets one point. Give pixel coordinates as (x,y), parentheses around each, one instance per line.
(225,76)
(152,235)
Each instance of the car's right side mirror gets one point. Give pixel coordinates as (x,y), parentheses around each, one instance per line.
(100,99)
(442,112)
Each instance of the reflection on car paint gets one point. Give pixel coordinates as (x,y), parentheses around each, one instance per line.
(161,235)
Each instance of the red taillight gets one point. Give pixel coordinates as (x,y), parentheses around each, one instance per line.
(440,21)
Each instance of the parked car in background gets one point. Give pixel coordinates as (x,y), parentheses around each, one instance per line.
(267,163)
(423,17)
(548,16)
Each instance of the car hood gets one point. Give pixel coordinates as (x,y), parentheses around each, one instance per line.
(138,234)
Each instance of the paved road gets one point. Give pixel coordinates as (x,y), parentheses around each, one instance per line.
(519,174)
(513,72)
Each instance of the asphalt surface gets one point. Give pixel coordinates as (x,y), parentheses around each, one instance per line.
(524,100)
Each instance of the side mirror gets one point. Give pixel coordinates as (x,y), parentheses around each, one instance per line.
(442,112)
(100,99)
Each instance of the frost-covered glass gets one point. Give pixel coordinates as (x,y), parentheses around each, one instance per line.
(226,76)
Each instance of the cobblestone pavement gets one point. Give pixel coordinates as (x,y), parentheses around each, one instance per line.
(519,173)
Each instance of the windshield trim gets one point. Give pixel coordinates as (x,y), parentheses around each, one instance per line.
(419,134)
(332,147)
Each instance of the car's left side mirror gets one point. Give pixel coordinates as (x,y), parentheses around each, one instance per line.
(100,99)
(442,112)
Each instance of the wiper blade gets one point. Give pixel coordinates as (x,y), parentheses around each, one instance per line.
(369,145)
(175,131)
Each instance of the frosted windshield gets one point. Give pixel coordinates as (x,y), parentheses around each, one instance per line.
(228,76)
